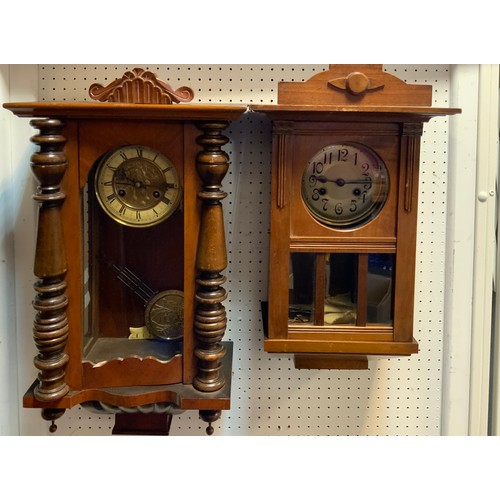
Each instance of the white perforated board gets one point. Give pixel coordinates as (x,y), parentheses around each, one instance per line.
(400,396)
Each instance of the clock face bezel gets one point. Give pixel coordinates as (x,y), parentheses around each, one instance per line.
(371,171)
(137,202)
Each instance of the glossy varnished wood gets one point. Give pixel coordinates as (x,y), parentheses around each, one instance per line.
(375,347)
(330,362)
(211,258)
(185,134)
(352,114)
(91,110)
(346,103)
(140,86)
(185,396)
(51,326)
(351,84)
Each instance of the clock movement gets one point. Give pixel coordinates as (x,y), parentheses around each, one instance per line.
(344,205)
(130,253)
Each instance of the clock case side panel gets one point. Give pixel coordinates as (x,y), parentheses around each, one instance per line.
(72,221)
(404,288)
(154,255)
(279,242)
(192,207)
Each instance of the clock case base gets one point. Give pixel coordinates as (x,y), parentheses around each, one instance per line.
(338,355)
(333,354)
(184,396)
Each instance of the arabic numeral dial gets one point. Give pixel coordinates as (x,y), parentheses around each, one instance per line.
(345,185)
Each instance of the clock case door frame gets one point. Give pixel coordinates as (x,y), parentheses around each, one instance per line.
(293,229)
(94,138)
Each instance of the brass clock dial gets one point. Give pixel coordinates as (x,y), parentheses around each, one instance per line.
(137,186)
(345,185)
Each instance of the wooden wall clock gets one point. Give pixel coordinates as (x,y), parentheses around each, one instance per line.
(130,252)
(344,204)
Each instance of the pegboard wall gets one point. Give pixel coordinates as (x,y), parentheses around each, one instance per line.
(400,396)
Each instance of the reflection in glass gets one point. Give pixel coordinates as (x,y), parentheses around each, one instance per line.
(301,287)
(341,289)
(379,289)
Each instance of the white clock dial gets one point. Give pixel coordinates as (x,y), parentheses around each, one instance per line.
(345,185)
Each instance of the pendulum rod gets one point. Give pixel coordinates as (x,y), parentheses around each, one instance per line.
(131,280)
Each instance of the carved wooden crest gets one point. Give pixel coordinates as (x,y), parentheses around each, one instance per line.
(140,86)
(351,84)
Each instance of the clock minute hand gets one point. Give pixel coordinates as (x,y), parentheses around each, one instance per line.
(162,185)
(341,182)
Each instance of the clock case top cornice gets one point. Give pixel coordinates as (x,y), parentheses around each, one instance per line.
(100,110)
(343,93)
(138,94)
(348,92)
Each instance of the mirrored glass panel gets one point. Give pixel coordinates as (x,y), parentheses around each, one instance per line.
(338,289)
(380,284)
(301,286)
(341,289)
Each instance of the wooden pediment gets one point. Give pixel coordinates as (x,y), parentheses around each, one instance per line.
(350,84)
(140,86)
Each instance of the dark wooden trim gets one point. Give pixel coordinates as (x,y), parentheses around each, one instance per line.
(330,362)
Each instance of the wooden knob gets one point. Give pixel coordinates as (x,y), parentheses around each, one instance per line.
(357,83)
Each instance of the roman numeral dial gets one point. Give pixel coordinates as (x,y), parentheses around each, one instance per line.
(137,186)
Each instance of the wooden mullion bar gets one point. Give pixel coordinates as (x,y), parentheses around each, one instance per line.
(320,289)
(362,292)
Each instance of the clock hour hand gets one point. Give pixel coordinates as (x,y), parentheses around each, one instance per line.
(341,182)
(125,182)
(141,184)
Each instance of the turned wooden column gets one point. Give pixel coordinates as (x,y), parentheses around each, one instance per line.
(210,315)
(50,328)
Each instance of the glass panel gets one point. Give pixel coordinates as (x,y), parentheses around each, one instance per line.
(133,290)
(301,288)
(341,289)
(87,332)
(380,289)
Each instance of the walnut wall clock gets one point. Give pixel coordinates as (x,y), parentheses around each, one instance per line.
(130,253)
(345,167)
